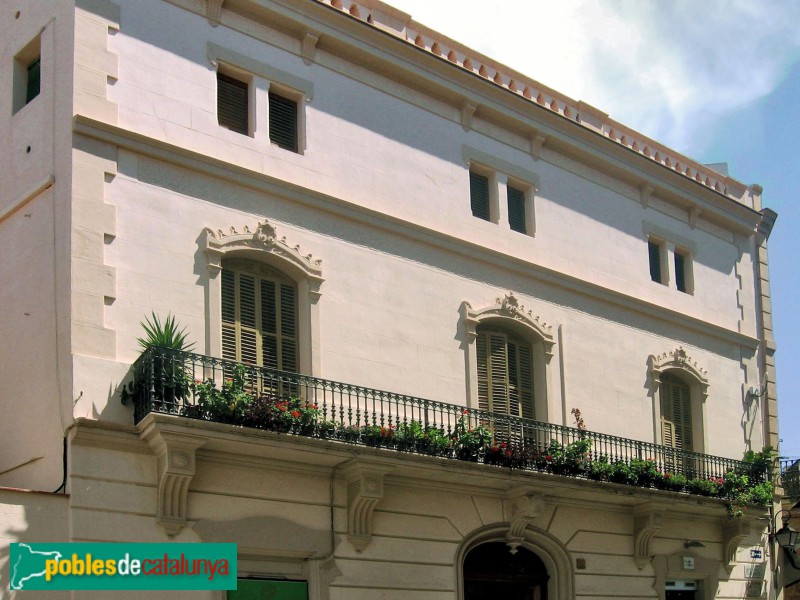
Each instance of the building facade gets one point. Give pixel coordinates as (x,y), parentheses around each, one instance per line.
(344,201)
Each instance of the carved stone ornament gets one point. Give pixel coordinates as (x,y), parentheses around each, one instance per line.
(176,468)
(678,360)
(522,506)
(646,523)
(364,491)
(214,11)
(735,531)
(265,239)
(308,46)
(508,307)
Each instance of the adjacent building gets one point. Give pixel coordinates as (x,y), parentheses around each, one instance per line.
(462,302)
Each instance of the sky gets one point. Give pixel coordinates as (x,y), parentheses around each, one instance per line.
(717,80)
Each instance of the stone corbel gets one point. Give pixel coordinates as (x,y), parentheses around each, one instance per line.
(694,213)
(364,492)
(176,468)
(734,532)
(522,506)
(537,142)
(214,11)
(467,112)
(645,526)
(308,46)
(645,195)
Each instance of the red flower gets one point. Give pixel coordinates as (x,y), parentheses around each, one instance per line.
(296,414)
(465,411)
(508,453)
(494,449)
(549,457)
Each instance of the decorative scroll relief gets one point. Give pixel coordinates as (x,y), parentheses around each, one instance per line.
(364,491)
(645,525)
(510,308)
(176,468)
(264,239)
(522,506)
(678,360)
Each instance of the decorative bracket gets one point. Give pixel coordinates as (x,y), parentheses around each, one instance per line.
(214,11)
(734,532)
(364,491)
(537,142)
(645,194)
(645,526)
(308,46)
(176,467)
(467,112)
(523,506)
(694,213)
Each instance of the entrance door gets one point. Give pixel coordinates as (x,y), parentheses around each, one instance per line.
(492,572)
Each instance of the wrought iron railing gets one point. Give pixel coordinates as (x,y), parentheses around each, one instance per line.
(198,386)
(790,477)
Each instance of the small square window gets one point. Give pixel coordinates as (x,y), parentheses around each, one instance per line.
(233,110)
(283,122)
(655,251)
(516,210)
(479,195)
(27,75)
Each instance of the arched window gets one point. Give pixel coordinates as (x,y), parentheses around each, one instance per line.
(508,351)
(262,300)
(259,315)
(491,571)
(680,388)
(505,373)
(676,413)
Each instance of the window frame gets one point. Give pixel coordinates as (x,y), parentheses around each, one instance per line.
(671,246)
(246,81)
(23,61)
(491,199)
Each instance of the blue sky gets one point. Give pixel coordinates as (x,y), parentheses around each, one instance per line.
(717,81)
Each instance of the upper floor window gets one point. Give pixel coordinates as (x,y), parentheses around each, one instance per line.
(479,195)
(683,271)
(656,251)
(283,121)
(233,103)
(676,413)
(27,74)
(516,209)
(670,263)
(259,316)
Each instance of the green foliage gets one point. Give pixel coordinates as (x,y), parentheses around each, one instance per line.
(601,469)
(761,463)
(164,335)
(469,442)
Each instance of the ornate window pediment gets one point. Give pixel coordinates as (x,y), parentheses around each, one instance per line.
(678,360)
(508,307)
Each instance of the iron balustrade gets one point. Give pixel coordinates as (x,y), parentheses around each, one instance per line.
(790,476)
(170,382)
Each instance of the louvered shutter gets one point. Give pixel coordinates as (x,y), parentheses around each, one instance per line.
(479,195)
(232,104)
(505,374)
(482,353)
(516,209)
(283,122)
(654,252)
(259,317)
(676,414)
(525,381)
(498,373)
(680,272)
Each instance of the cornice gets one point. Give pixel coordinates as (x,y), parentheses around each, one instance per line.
(574,128)
(232,173)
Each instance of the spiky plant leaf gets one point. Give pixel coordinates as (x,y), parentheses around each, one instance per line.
(164,335)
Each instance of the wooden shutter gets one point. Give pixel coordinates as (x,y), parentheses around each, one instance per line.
(676,414)
(283,122)
(232,110)
(259,317)
(505,374)
(680,272)
(479,195)
(34,80)
(654,251)
(516,209)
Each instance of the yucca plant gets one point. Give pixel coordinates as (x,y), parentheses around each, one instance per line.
(164,335)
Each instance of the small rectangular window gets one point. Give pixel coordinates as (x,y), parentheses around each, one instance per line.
(516,209)
(27,74)
(283,122)
(253,589)
(654,250)
(683,272)
(479,195)
(232,104)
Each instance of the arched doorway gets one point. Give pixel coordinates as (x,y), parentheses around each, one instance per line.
(491,572)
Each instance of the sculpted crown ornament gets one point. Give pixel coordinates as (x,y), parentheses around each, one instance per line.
(678,360)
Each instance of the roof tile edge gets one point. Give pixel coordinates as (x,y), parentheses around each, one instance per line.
(400,24)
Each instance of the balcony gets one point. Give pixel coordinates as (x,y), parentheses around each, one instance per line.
(790,478)
(201,387)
